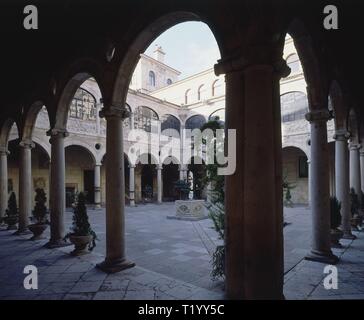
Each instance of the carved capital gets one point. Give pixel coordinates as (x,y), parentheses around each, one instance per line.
(318,115)
(354,146)
(4,151)
(27,144)
(114,112)
(57,134)
(255,56)
(341,135)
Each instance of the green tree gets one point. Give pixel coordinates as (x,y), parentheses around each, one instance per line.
(40,210)
(12,214)
(80,224)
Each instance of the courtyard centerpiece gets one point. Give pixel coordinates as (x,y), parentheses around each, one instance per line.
(81,235)
(187,209)
(40,213)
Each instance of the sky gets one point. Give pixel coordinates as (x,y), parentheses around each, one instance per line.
(190,47)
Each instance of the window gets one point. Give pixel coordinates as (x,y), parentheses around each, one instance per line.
(217,88)
(152,78)
(294,106)
(302,167)
(83,105)
(169,82)
(294,63)
(187,96)
(201,92)
(145,119)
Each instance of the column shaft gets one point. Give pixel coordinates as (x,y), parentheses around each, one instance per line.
(159,184)
(250,274)
(320,188)
(57,197)
(355,169)
(342,181)
(362,169)
(115,194)
(132,186)
(3,182)
(25,186)
(97,185)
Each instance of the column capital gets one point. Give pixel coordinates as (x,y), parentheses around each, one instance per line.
(256,58)
(159,166)
(341,135)
(354,146)
(26,144)
(132,166)
(98,164)
(114,112)
(361,152)
(61,133)
(318,115)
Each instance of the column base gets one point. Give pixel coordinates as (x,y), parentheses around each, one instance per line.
(348,236)
(52,244)
(115,265)
(97,206)
(22,232)
(328,258)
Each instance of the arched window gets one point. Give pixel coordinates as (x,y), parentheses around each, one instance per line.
(217,88)
(201,92)
(188,96)
(294,106)
(169,82)
(145,119)
(195,122)
(83,105)
(294,63)
(152,78)
(218,115)
(170,122)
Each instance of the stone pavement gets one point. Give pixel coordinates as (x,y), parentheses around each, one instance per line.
(173,262)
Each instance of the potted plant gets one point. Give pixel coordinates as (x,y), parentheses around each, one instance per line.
(81,235)
(12,215)
(335,219)
(354,208)
(39,215)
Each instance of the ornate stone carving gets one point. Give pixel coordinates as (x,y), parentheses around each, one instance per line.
(27,144)
(190,210)
(318,115)
(115,111)
(341,135)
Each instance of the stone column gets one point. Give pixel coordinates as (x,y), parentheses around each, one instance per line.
(132,185)
(57,190)
(309,182)
(97,185)
(115,192)
(159,184)
(342,180)
(25,186)
(3,182)
(362,168)
(355,168)
(320,188)
(253,203)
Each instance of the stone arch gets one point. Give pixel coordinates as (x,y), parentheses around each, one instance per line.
(195,121)
(353,125)
(217,113)
(44,144)
(313,70)
(141,43)
(85,146)
(74,77)
(338,105)
(30,120)
(5,129)
(294,105)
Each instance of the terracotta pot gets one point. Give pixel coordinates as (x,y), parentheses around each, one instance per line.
(81,244)
(37,230)
(336,235)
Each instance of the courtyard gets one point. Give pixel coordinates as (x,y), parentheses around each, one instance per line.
(172,261)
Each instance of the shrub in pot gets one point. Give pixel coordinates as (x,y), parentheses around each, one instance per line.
(335,219)
(81,235)
(39,217)
(12,214)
